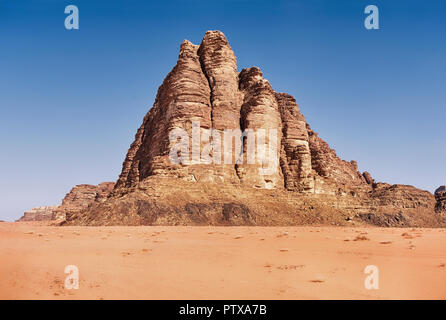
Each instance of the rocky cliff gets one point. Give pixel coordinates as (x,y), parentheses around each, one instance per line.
(39,214)
(440,196)
(79,198)
(205,87)
(222,147)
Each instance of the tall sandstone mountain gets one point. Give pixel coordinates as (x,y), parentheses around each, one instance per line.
(307,184)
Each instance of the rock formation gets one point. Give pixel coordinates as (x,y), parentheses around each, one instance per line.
(440,196)
(79,198)
(224,177)
(205,87)
(368,178)
(39,214)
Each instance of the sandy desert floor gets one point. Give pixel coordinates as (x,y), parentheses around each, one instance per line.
(220,262)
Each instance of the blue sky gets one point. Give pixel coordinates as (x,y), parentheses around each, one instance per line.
(71,101)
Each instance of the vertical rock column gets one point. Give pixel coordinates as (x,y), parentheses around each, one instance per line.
(295,154)
(260,114)
(219,65)
(184,97)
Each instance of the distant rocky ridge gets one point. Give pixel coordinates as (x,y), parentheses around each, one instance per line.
(311,185)
(79,198)
(39,214)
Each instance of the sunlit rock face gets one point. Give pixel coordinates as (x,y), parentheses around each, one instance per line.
(221,146)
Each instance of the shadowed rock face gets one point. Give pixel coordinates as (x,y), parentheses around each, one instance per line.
(308,183)
(295,157)
(440,196)
(81,197)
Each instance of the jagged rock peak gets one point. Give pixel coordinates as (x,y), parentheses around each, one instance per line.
(187,50)
(205,87)
(309,182)
(252,76)
(219,65)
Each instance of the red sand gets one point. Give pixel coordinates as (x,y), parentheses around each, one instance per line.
(220,262)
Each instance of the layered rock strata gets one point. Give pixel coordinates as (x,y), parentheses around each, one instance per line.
(44,213)
(440,197)
(205,88)
(222,147)
(79,198)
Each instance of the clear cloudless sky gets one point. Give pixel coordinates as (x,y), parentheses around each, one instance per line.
(71,101)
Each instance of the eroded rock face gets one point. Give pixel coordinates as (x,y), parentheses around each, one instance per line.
(295,149)
(260,113)
(39,214)
(219,65)
(368,178)
(204,87)
(183,98)
(79,198)
(440,197)
(330,169)
(401,197)
(308,182)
